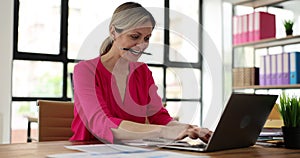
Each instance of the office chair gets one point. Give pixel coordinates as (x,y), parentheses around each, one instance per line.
(34,119)
(72,83)
(55,119)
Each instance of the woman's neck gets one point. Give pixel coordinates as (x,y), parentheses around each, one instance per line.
(112,61)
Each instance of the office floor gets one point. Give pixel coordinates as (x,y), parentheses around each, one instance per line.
(20,135)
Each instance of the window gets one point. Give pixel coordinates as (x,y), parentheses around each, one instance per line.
(48,43)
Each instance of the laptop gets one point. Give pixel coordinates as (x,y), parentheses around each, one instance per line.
(239,126)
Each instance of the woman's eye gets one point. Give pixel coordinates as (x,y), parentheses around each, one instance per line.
(134,36)
(147,39)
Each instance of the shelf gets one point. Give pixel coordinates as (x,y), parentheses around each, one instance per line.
(256,3)
(271,42)
(291,5)
(290,86)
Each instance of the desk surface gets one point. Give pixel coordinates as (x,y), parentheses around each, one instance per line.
(42,149)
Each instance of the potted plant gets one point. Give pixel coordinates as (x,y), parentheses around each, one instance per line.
(289,110)
(288,25)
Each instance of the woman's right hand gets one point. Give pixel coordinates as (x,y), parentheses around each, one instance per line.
(177,131)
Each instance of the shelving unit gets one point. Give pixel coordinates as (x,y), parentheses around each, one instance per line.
(248,54)
(257,3)
(273,42)
(290,86)
(265,43)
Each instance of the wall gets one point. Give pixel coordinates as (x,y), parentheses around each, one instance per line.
(227,50)
(213,63)
(6,45)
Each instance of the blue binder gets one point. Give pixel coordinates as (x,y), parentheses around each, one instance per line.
(294,67)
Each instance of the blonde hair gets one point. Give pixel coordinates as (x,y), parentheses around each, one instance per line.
(127,15)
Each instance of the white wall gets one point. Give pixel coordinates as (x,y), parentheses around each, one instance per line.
(227,50)
(6,45)
(213,63)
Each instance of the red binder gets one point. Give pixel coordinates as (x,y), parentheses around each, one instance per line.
(250,27)
(244,34)
(264,25)
(235,30)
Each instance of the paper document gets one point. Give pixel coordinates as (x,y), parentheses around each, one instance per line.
(151,154)
(106,148)
(116,151)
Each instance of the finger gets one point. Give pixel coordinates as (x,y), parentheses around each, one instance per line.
(193,135)
(181,136)
(204,139)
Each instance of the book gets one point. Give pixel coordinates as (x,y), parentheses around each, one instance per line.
(262,71)
(244,33)
(238,77)
(235,31)
(247,76)
(294,67)
(250,27)
(273,69)
(264,26)
(279,69)
(268,70)
(286,68)
(239,29)
(254,76)
(251,76)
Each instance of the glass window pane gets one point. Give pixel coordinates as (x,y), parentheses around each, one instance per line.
(183,83)
(185,112)
(157,74)
(43,79)
(88,25)
(156,46)
(39,26)
(184,34)
(19,121)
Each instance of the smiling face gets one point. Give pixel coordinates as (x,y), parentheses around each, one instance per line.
(136,39)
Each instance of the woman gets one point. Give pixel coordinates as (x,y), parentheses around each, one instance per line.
(115,95)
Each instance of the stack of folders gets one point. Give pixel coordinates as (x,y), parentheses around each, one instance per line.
(253,27)
(245,76)
(280,69)
(271,137)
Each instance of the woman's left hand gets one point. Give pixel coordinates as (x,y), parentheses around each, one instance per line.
(195,132)
(191,131)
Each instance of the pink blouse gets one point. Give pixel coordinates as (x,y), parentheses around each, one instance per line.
(98,104)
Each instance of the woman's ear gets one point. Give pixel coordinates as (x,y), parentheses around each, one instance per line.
(113,32)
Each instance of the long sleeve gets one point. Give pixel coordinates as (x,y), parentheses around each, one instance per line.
(162,116)
(90,105)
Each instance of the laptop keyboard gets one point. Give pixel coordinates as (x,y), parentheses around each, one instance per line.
(168,142)
(186,144)
(198,146)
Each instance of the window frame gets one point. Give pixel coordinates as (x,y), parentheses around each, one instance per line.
(62,56)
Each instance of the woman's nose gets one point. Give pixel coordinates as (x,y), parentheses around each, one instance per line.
(142,45)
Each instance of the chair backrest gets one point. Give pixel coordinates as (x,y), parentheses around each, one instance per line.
(55,119)
(72,82)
